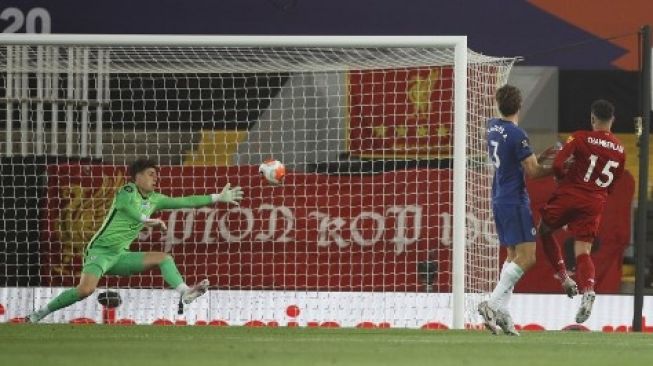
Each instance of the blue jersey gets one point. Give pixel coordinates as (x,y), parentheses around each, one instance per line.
(508,145)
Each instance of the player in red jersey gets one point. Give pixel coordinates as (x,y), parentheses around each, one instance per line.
(586,169)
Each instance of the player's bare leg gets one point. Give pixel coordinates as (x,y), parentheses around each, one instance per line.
(554,255)
(585,274)
(87,285)
(525,255)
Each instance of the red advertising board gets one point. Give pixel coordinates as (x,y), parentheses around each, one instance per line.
(316,232)
(366,232)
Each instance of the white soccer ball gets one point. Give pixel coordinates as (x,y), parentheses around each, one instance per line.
(273,171)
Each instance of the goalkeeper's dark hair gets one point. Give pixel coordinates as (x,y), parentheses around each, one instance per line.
(602,110)
(508,99)
(140,165)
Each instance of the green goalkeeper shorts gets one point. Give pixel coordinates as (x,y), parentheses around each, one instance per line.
(102,262)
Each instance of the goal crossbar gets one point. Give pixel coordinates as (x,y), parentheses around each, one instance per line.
(148,40)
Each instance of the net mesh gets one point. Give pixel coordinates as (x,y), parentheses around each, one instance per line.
(366,135)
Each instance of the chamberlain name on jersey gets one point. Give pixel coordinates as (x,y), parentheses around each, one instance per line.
(508,145)
(128,212)
(599,160)
(605,143)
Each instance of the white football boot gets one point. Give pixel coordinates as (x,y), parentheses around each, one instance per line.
(570,287)
(585,309)
(36,316)
(195,292)
(504,321)
(489,317)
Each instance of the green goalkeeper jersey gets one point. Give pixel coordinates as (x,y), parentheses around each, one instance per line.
(128,213)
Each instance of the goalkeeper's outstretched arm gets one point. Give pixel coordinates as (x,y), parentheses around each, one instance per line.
(228,195)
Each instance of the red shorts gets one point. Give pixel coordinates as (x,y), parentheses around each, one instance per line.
(581,214)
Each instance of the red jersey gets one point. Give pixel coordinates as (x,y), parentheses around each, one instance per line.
(598,160)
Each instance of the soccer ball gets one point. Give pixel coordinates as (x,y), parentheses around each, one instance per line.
(273,171)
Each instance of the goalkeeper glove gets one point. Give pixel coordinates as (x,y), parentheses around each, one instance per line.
(228,195)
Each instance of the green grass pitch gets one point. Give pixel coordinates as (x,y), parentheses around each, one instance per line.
(97,345)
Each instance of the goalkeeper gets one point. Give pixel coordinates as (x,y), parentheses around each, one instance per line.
(108,251)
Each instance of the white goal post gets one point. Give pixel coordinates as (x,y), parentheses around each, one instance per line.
(388,187)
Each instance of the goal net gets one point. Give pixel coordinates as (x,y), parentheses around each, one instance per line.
(375,135)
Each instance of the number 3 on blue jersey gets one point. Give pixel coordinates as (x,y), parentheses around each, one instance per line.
(495,156)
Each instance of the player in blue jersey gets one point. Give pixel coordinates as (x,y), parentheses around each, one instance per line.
(511,154)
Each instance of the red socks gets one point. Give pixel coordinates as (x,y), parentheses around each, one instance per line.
(585,273)
(552,251)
